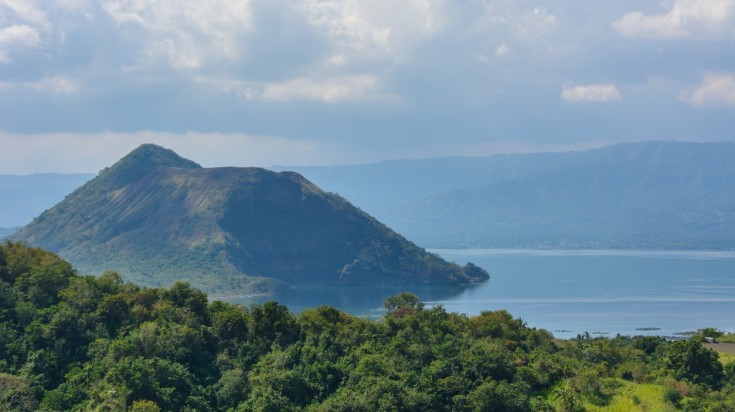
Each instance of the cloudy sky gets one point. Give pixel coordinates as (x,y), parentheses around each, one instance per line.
(266,82)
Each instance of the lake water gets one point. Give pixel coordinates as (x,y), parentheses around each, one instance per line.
(572,292)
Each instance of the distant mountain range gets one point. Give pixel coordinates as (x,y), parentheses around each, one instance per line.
(660,195)
(24,197)
(158,218)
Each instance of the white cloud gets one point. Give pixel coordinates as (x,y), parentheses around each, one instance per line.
(185,33)
(376,29)
(25,22)
(15,37)
(330,90)
(53,84)
(29,11)
(57,84)
(534,34)
(709,19)
(334,89)
(590,93)
(539,21)
(716,89)
(403,68)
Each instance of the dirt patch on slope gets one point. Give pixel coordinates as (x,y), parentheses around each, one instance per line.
(728,348)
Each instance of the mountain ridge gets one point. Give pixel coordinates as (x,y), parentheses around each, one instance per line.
(659,194)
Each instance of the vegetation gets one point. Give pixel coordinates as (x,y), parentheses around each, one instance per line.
(71,342)
(157,218)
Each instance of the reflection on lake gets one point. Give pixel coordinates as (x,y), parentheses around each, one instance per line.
(570,292)
(357,300)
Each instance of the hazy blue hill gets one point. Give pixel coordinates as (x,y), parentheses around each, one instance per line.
(160,218)
(7,231)
(642,195)
(386,182)
(23,197)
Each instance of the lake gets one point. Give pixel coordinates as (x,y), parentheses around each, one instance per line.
(603,292)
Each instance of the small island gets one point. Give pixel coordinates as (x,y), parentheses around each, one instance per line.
(158,218)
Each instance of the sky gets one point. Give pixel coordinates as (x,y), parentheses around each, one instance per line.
(318,82)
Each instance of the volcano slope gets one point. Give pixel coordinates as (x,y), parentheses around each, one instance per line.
(158,218)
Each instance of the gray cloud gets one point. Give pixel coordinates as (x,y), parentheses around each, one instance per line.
(715,89)
(382,78)
(705,19)
(590,93)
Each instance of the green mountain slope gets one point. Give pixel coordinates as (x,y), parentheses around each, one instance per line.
(159,218)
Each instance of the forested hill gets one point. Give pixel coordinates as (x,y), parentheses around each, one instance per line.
(656,195)
(73,343)
(159,218)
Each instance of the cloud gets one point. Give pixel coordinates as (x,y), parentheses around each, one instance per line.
(24,22)
(383,34)
(90,152)
(17,37)
(590,93)
(514,24)
(539,20)
(57,84)
(706,19)
(29,11)
(185,33)
(333,90)
(19,34)
(502,50)
(716,89)
(52,84)
(374,73)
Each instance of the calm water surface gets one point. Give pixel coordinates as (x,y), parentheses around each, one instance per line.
(571,292)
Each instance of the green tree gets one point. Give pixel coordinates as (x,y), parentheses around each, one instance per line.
(16,393)
(402,301)
(568,400)
(144,406)
(499,396)
(690,360)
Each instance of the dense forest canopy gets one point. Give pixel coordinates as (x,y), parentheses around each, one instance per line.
(73,342)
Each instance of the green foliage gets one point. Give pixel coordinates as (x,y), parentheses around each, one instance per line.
(499,396)
(16,393)
(144,406)
(710,332)
(672,394)
(403,300)
(690,360)
(101,344)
